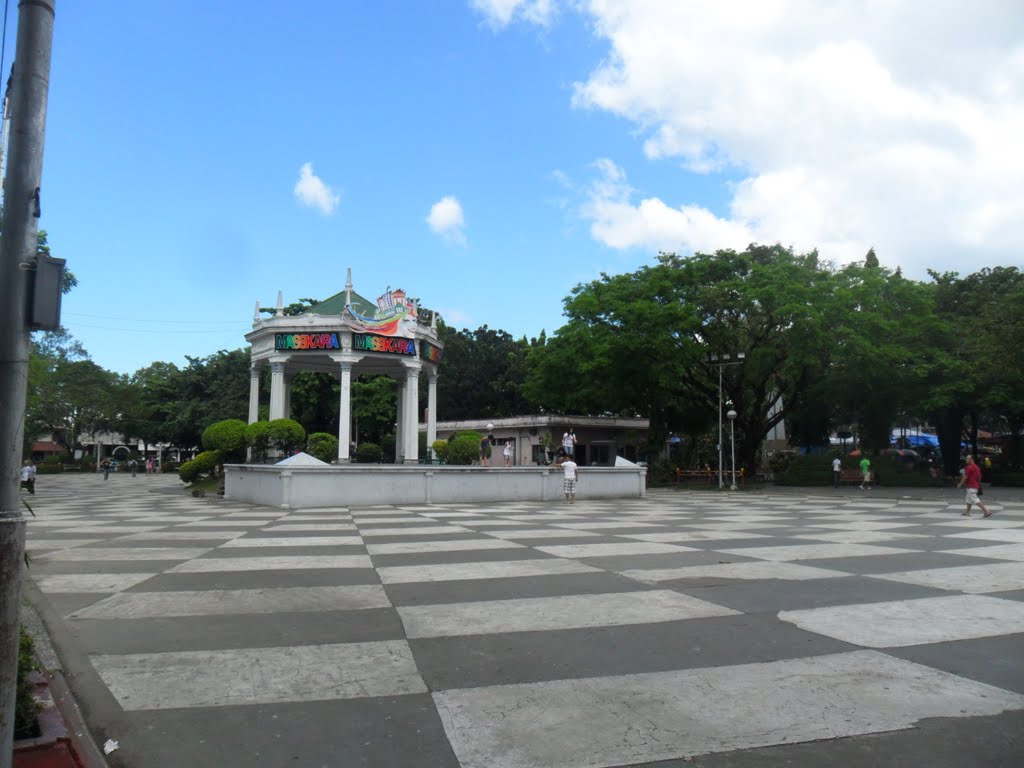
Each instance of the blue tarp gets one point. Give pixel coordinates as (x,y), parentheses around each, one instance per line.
(914,439)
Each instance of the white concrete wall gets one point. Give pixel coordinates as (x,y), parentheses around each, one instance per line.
(311,487)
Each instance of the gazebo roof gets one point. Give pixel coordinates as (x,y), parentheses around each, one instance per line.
(336,303)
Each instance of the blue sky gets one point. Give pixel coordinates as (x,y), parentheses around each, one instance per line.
(488,155)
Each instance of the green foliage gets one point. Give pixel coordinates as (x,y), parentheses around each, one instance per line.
(228,437)
(323,446)
(464,448)
(286,435)
(368,453)
(805,470)
(440,449)
(484,374)
(25,707)
(188,472)
(257,438)
(1008,479)
(207,462)
(374,406)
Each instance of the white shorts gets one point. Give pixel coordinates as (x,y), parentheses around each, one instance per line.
(972,496)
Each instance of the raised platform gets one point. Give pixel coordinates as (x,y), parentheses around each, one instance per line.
(368,484)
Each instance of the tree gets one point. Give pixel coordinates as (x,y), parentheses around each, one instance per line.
(641,344)
(482,374)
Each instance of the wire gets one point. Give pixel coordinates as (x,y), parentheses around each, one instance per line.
(168,322)
(163,331)
(3,44)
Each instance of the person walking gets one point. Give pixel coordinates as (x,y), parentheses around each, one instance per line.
(485,451)
(865,470)
(571,471)
(28,476)
(837,469)
(149,466)
(133,465)
(971,478)
(569,442)
(106,469)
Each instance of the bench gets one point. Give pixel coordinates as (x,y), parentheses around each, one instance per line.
(854,476)
(694,474)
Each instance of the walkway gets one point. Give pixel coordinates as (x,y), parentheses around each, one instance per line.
(698,628)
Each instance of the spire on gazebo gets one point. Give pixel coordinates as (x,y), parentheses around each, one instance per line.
(256,312)
(433,321)
(279,310)
(348,288)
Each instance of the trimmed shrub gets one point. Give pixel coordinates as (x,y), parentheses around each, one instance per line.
(228,437)
(440,448)
(1008,479)
(257,438)
(368,453)
(323,446)
(25,706)
(188,472)
(286,435)
(802,469)
(464,449)
(206,462)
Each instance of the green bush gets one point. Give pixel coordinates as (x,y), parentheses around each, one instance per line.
(53,459)
(188,472)
(286,435)
(25,706)
(206,462)
(228,437)
(440,448)
(660,473)
(257,438)
(167,466)
(1008,479)
(464,449)
(803,469)
(323,446)
(87,463)
(368,453)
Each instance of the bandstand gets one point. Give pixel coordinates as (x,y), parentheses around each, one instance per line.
(348,335)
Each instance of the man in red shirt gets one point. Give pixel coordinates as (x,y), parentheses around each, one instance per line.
(972,479)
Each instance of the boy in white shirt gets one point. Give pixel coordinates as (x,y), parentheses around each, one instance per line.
(571,476)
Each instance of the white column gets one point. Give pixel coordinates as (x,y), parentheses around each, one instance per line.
(277,386)
(345,415)
(431,407)
(288,395)
(400,421)
(254,392)
(412,416)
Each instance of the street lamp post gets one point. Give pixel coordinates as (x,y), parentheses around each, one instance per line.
(720,362)
(732,444)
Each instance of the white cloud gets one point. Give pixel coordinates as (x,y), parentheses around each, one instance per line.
(456,318)
(896,124)
(501,13)
(311,190)
(446,219)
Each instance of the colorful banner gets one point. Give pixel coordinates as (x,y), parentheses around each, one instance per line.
(306,341)
(430,353)
(368,342)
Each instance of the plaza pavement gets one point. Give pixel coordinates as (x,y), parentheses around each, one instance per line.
(689,628)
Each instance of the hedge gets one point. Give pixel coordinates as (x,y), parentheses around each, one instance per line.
(323,446)
(228,437)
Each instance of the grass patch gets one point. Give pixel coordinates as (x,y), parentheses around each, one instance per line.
(26,708)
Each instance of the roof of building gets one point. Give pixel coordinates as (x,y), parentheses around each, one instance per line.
(336,303)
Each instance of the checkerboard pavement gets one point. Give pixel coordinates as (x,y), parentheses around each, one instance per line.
(605,633)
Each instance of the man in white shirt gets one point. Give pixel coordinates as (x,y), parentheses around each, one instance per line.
(571,476)
(28,476)
(837,468)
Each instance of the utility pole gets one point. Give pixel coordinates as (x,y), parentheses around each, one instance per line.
(30,85)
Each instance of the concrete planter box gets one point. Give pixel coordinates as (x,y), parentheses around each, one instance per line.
(369,484)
